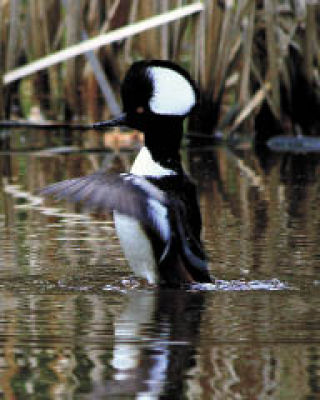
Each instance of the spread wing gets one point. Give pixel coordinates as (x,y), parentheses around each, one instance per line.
(137,197)
(128,194)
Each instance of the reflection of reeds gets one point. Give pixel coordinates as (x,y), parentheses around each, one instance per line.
(255,223)
(235,50)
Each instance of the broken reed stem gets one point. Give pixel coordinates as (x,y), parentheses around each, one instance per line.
(96,42)
(255,101)
(219,43)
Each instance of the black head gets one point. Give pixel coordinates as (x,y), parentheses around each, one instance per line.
(155,92)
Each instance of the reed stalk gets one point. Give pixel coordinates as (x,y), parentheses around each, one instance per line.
(132,19)
(148,45)
(11,52)
(254,102)
(235,49)
(14,29)
(310,41)
(214,16)
(164,7)
(176,34)
(48,10)
(36,42)
(2,57)
(199,49)
(73,35)
(272,51)
(248,35)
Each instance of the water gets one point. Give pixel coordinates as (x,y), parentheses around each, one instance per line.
(75,323)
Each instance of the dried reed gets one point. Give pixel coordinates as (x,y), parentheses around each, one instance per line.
(235,49)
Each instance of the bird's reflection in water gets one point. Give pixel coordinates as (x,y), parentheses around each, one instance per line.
(155,339)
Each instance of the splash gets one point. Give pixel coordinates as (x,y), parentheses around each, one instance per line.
(220,285)
(242,285)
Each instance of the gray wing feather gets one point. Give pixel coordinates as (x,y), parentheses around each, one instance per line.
(136,197)
(126,193)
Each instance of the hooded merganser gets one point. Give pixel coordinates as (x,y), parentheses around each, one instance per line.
(155,206)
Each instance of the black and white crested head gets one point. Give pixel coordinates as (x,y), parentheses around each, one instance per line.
(157,87)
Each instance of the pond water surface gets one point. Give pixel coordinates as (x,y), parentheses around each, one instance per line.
(75,323)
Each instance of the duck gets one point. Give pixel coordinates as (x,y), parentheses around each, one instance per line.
(155,205)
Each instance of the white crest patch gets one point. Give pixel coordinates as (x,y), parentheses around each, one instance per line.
(172,93)
(144,165)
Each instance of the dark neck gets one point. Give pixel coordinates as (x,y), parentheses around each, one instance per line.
(163,141)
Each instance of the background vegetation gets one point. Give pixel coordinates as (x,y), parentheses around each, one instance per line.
(256,61)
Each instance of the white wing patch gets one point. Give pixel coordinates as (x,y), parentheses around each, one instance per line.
(172,93)
(144,165)
(159,214)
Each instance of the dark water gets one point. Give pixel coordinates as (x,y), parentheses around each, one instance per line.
(75,324)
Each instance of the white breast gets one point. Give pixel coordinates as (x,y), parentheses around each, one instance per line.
(145,165)
(136,247)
